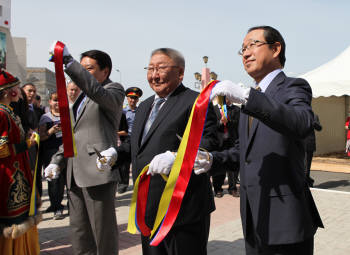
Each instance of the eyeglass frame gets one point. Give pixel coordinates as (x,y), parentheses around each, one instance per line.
(159,69)
(253,44)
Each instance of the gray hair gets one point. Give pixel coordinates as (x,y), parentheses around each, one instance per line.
(175,55)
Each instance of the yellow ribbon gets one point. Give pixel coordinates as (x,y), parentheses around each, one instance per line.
(169,188)
(221,104)
(32,208)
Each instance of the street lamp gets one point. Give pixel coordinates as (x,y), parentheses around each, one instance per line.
(197,83)
(205,59)
(205,77)
(120,74)
(213,76)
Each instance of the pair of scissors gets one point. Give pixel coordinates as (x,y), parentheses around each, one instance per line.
(101,158)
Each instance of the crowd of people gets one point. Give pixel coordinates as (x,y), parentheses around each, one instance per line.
(254,136)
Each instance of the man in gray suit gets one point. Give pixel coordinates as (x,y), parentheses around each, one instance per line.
(91,190)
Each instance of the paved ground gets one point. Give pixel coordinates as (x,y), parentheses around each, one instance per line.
(226,232)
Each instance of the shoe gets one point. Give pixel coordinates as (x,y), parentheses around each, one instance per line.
(49,209)
(122,190)
(310,181)
(234,193)
(219,194)
(58,215)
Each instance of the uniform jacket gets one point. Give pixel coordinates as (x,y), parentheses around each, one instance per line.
(95,126)
(272,166)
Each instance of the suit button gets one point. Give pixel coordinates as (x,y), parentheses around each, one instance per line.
(247,162)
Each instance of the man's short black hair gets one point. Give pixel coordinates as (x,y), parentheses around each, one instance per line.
(103,59)
(272,35)
(37,97)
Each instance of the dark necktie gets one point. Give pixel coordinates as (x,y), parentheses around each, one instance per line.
(156,106)
(250,118)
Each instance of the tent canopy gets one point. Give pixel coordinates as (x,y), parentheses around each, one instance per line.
(332,78)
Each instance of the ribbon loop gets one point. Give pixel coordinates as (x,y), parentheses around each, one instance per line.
(66,121)
(174,191)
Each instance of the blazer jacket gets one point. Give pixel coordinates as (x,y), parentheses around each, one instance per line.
(95,126)
(271,156)
(171,120)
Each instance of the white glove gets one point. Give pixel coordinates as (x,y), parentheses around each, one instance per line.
(67,58)
(161,163)
(236,93)
(203,162)
(51,172)
(109,157)
(347,147)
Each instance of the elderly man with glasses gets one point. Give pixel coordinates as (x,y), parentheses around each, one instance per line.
(159,120)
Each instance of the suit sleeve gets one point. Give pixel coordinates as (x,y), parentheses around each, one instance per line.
(109,97)
(291,115)
(222,160)
(317,124)
(59,159)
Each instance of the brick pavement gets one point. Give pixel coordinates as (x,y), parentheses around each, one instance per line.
(226,232)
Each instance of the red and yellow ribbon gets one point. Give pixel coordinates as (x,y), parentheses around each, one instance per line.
(66,121)
(33,197)
(178,180)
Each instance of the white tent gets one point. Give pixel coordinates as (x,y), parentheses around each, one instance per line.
(330,85)
(332,78)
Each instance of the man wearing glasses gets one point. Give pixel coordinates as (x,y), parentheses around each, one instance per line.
(278,213)
(159,120)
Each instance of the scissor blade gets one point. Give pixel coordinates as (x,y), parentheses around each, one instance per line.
(98,153)
(180,138)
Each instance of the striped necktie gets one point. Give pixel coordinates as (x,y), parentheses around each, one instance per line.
(155,109)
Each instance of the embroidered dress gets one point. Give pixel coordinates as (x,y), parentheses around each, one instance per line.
(18,231)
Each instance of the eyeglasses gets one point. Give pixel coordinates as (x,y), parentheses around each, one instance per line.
(252,45)
(159,69)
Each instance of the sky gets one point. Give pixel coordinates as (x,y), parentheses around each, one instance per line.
(314,31)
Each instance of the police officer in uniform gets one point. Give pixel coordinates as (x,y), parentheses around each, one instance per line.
(132,94)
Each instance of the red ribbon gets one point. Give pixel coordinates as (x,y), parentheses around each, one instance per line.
(194,139)
(67,134)
(142,195)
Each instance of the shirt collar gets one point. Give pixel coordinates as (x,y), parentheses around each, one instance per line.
(129,109)
(264,83)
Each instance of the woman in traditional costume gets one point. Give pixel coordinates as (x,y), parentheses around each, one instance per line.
(18,231)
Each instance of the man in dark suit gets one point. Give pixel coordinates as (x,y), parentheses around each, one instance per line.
(227,128)
(278,213)
(189,234)
(91,188)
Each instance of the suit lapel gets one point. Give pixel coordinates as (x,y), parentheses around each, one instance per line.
(270,91)
(81,111)
(142,116)
(273,87)
(163,112)
(87,100)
